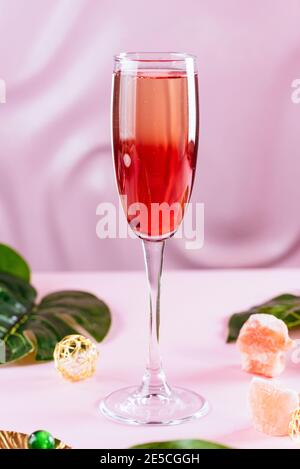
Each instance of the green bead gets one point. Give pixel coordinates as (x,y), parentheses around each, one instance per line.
(41,440)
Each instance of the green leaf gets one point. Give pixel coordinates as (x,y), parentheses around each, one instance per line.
(181,444)
(285,307)
(26,327)
(13,263)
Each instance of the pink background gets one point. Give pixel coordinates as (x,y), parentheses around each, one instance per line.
(55,156)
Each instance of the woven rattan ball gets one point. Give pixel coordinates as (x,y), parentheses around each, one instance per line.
(294,426)
(75,357)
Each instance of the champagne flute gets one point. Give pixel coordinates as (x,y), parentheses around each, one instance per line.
(155,121)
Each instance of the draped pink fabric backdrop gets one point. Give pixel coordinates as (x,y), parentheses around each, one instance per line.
(55,156)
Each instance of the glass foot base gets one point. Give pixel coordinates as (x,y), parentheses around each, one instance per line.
(129,406)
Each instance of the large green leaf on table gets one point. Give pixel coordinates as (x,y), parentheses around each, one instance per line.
(285,307)
(13,263)
(181,444)
(26,327)
(16,299)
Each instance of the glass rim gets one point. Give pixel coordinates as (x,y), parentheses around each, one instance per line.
(154,57)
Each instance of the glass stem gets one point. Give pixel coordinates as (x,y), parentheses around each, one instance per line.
(154,381)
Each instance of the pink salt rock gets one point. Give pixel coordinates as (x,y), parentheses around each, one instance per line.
(271,406)
(263,341)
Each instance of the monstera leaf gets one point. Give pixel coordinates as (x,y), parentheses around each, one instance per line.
(285,307)
(26,326)
(12,263)
(181,444)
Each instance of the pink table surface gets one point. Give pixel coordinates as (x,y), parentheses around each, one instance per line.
(195,306)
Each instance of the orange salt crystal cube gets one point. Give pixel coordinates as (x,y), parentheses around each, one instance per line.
(263,341)
(271,406)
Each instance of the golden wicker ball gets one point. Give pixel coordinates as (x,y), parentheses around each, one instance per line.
(75,357)
(294,426)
